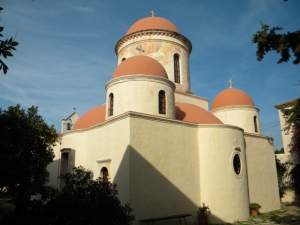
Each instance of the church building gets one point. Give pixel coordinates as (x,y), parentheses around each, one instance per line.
(161,144)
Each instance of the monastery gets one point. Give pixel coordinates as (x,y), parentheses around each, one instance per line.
(161,144)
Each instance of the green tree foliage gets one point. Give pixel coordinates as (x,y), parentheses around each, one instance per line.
(82,201)
(281,171)
(25,151)
(281,151)
(268,40)
(6,48)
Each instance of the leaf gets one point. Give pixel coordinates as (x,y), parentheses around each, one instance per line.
(14,43)
(1,29)
(7,53)
(5,68)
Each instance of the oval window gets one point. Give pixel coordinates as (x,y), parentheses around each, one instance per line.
(237,164)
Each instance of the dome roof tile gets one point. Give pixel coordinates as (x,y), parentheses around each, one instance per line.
(140,65)
(152,23)
(192,113)
(231,97)
(92,117)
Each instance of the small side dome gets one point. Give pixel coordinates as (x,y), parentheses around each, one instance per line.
(232,97)
(92,117)
(140,65)
(192,113)
(152,23)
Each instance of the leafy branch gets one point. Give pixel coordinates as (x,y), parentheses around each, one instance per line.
(6,48)
(268,40)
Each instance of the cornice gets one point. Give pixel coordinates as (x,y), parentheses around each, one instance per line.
(154,32)
(139,77)
(138,115)
(287,104)
(258,136)
(235,107)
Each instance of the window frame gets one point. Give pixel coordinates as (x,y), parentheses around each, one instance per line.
(255,124)
(111,105)
(176,58)
(104,174)
(162,102)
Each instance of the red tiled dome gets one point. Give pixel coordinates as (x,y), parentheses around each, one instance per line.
(140,64)
(92,117)
(152,23)
(231,97)
(192,113)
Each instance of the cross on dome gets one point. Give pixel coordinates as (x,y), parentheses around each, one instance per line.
(230,83)
(140,49)
(152,13)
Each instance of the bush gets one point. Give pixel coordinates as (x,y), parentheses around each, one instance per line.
(81,201)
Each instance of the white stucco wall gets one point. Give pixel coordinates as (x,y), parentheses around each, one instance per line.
(191,99)
(220,187)
(104,145)
(53,168)
(286,137)
(241,116)
(139,93)
(262,175)
(164,168)
(161,46)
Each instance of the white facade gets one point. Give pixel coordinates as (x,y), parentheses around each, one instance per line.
(164,165)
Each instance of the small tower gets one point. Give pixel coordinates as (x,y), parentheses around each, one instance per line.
(140,84)
(235,107)
(161,40)
(68,123)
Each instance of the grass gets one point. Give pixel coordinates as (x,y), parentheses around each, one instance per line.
(262,218)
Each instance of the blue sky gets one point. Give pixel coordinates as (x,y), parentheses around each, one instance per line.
(66,51)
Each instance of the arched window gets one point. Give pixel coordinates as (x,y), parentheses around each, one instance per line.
(111,104)
(255,123)
(123,59)
(104,174)
(162,102)
(176,69)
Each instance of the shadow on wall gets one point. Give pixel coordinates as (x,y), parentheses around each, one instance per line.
(63,165)
(151,194)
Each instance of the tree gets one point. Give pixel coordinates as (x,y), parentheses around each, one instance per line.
(25,151)
(82,201)
(292,120)
(6,48)
(268,40)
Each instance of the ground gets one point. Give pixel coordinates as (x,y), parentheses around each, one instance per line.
(289,214)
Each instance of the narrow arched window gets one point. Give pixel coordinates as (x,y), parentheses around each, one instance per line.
(111,104)
(176,69)
(255,123)
(104,174)
(162,102)
(123,59)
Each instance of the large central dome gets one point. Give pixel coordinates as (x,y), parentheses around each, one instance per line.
(152,23)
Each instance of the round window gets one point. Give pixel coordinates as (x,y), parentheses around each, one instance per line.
(237,164)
